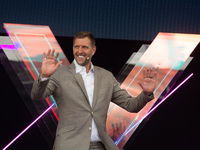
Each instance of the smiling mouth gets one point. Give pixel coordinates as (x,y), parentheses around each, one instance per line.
(81,56)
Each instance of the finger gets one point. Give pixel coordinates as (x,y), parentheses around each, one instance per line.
(56,56)
(147,73)
(58,64)
(151,73)
(44,54)
(48,53)
(144,73)
(52,54)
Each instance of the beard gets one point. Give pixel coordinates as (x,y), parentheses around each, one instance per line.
(83,63)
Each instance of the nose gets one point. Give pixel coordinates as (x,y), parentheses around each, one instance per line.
(80,50)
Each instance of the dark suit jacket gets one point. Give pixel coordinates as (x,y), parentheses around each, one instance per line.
(75,112)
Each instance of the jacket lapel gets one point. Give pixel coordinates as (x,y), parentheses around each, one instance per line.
(79,79)
(97,81)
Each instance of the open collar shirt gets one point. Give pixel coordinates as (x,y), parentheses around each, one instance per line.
(88,79)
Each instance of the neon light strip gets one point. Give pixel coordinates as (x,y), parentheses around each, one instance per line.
(119,140)
(28,127)
(3,46)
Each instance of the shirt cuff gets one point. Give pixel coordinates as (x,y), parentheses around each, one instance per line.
(43,79)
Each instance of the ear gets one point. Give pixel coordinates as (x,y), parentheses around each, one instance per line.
(94,50)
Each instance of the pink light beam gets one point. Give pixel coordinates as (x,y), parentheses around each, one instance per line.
(28,126)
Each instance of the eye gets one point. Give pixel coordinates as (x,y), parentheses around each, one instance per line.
(85,47)
(76,46)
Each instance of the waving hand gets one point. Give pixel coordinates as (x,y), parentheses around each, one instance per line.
(49,64)
(149,81)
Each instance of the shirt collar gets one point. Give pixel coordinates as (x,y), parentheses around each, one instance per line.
(80,68)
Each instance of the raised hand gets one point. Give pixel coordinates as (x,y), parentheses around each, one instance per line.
(149,81)
(49,64)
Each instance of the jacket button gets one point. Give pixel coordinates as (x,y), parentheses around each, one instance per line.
(90,128)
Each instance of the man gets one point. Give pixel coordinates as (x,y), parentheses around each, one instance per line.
(83,93)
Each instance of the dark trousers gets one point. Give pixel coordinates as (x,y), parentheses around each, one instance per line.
(97,146)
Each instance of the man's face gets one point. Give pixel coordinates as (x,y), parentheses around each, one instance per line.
(83,51)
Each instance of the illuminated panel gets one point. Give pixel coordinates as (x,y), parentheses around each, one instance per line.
(28,127)
(119,140)
(32,41)
(167,54)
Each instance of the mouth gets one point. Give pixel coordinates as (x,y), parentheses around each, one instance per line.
(80,56)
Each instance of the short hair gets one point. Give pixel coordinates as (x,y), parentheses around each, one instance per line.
(84,34)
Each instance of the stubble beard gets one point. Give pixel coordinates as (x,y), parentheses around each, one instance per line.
(84,63)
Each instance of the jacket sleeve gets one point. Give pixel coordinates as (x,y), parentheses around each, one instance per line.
(42,89)
(126,101)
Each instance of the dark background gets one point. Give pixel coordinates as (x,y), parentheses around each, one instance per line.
(113,19)
(120,28)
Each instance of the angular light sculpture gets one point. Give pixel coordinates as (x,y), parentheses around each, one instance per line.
(168,54)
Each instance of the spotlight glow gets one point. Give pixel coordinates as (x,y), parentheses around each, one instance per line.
(28,127)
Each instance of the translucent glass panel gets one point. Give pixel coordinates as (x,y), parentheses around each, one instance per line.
(166,54)
(25,53)
(31,42)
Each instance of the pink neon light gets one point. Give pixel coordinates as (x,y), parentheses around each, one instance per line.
(52,109)
(3,46)
(28,127)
